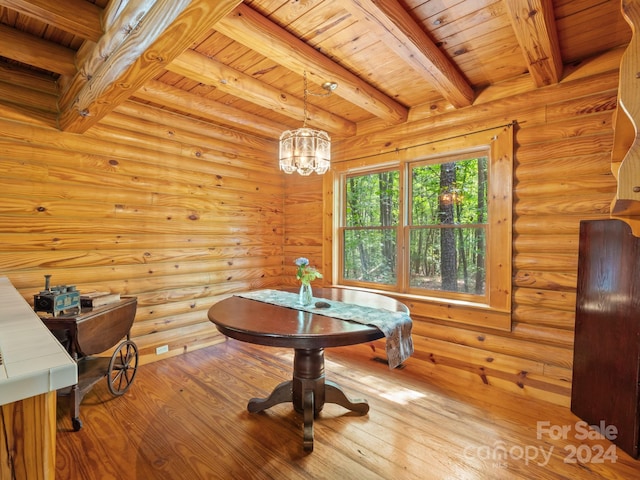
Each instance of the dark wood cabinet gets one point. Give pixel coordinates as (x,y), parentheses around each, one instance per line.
(606,361)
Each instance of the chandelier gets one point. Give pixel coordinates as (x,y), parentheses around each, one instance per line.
(306,150)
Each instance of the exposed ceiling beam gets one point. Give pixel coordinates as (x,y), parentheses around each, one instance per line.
(118,19)
(251,29)
(190,103)
(394,26)
(205,70)
(534,25)
(25,48)
(78,17)
(93,55)
(169,28)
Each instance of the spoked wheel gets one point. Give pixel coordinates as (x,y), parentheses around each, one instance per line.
(76,423)
(122,368)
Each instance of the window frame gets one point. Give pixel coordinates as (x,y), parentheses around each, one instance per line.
(341,227)
(494,310)
(483,151)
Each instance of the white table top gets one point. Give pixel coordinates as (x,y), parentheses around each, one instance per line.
(32,361)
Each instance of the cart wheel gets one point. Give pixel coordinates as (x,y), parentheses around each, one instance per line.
(76,423)
(122,368)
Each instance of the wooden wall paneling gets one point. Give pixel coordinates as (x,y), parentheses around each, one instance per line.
(554,243)
(543,316)
(167,121)
(564,225)
(558,300)
(598,203)
(548,262)
(573,147)
(544,279)
(587,164)
(28,97)
(543,334)
(303,226)
(529,108)
(166,139)
(28,438)
(145,193)
(496,342)
(28,115)
(561,176)
(168,214)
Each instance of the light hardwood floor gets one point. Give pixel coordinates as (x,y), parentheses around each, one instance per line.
(186,418)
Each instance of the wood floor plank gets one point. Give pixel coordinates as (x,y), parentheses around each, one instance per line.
(185,418)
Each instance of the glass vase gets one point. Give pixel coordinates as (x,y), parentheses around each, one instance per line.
(306,294)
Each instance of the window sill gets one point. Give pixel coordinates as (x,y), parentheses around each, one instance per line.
(466,313)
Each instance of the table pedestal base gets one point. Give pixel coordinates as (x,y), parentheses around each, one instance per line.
(308,391)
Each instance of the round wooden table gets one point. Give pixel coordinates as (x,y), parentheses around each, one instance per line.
(308,334)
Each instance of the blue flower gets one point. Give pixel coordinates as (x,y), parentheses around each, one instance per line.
(305,273)
(302,262)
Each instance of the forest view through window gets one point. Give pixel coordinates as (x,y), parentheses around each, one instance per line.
(436,243)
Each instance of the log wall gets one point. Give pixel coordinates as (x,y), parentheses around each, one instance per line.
(146,203)
(562,175)
(181,214)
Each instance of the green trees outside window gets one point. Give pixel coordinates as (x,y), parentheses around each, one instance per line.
(429,223)
(371,232)
(446,223)
(447,227)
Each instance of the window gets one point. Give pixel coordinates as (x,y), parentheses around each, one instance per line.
(432,224)
(370,235)
(447,208)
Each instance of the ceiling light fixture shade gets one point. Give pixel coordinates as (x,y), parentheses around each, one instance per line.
(306,150)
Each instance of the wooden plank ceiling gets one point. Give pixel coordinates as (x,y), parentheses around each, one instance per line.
(243,65)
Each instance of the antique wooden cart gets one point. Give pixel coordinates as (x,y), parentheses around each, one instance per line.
(92,331)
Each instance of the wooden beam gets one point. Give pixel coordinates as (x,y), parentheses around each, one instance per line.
(25,48)
(389,21)
(205,70)
(174,98)
(170,27)
(92,55)
(534,25)
(78,17)
(251,29)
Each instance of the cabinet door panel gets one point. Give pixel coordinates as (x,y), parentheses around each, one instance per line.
(607,332)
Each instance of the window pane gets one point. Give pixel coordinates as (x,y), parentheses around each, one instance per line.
(449,259)
(447,193)
(372,200)
(370,255)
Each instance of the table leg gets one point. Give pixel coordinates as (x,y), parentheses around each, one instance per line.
(307,429)
(74,402)
(334,394)
(311,391)
(308,391)
(280,394)
(74,395)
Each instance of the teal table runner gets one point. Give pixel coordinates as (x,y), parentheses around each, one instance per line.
(396,326)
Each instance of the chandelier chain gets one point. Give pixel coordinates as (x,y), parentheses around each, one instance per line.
(304,122)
